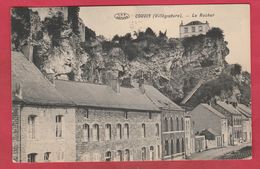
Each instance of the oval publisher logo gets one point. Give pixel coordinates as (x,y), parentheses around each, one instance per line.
(121,16)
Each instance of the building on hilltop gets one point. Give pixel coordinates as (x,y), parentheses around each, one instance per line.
(193,28)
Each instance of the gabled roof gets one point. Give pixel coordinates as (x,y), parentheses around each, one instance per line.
(192,92)
(159,99)
(212,110)
(36,89)
(229,108)
(246,111)
(194,23)
(87,94)
(212,131)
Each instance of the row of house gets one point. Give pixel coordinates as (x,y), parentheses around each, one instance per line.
(76,121)
(222,124)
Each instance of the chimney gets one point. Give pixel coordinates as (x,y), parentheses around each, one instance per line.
(51,78)
(181,23)
(114,81)
(141,84)
(18,91)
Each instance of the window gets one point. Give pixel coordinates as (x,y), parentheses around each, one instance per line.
(108,156)
(59,126)
(126,115)
(31,126)
(119,131)
(127,155)
(178,146)
(200,28)
(126,131)
(157,129)
(177,124)
(143,153)
(171,124)
(152,153)
(143,128)
(86,114)
(150,115)
(60,156)
(32,157)
(158,151)
(47,156)
(193,29)
(119,155)
(182,123)
(95,132)
(108,135)
(85,132)
(172,147)
(166,148)
(166,124)
(182,145)
(186,30)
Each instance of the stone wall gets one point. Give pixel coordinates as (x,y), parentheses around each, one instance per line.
(45,139)
(16,132)
(92,150)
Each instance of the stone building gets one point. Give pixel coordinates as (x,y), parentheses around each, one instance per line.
(246,122)
(234,120)
(172,125)
(189,137)
(193,28)
(42,119)
(113,123)
(75,121)
(206,117)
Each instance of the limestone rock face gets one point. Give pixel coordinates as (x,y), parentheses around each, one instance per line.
(172,65)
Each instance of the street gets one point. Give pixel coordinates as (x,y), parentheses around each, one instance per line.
(214,153)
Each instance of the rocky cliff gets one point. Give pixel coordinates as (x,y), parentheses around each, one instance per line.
(174,66)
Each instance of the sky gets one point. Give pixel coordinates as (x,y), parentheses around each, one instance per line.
(234,20)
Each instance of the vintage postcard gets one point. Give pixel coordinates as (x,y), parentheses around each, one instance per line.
(131,83)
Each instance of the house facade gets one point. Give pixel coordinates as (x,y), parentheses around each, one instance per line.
(204,117)
(246,122)
(40,116)
(234,120)
(172,125)
(193,28)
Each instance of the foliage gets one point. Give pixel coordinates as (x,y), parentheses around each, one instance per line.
(20,24)
(236,70)
(224,83)
(215,33)
(73,18)
(193,42)
(89,34)
(54,26)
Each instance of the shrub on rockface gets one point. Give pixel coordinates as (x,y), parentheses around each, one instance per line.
(215,33)
(54,26)
(20,26)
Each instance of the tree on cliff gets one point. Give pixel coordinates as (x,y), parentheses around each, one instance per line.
(73,18)
(215,33)
(20,26)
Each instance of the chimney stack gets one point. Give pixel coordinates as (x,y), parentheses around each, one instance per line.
(141,84)
(18,91)
(114,81)
(51,78)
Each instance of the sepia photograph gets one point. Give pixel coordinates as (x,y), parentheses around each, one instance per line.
(131,83)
